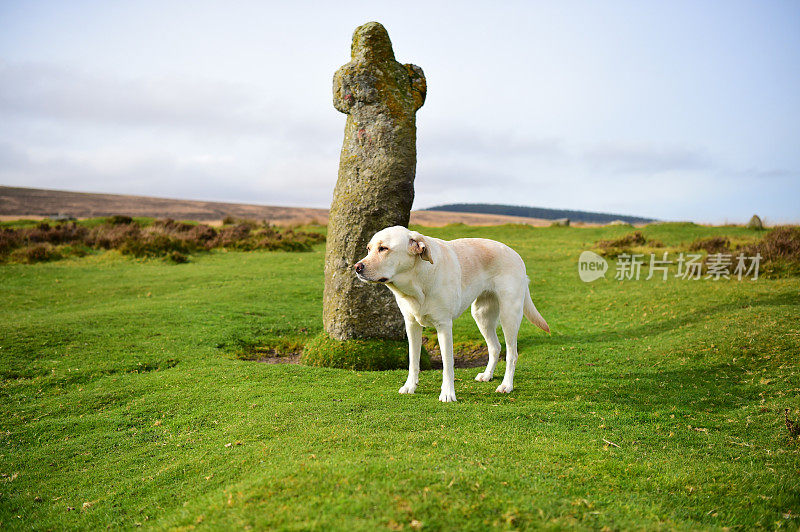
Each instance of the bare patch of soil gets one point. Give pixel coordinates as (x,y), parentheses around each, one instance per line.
(282,353)
(293,358)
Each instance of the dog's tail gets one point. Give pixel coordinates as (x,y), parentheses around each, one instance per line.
(529,309)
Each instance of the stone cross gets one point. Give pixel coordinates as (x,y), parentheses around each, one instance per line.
(375,188)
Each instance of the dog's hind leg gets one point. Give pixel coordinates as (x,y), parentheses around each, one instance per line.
(485,311)
(510,319)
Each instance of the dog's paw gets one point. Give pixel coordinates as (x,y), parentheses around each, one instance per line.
(504,388)
(447,397)
(483,377)
(408,388)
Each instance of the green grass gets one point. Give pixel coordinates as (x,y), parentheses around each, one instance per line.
(124,402)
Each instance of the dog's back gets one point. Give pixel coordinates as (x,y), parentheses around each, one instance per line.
(483,257)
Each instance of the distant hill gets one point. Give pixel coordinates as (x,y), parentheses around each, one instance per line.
(539,212)
(17,202)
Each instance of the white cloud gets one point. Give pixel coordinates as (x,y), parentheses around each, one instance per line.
(646,159)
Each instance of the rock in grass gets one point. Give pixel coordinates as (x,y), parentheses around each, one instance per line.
(755,223)
(375,188)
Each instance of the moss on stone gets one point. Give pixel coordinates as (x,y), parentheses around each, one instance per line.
(359,354)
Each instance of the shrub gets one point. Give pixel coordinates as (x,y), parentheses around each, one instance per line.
(168,225)
(280,244)
(159,239)
(109,236)
(781,244)
(779,249)
(119,219)
(74,250)
(623,244)
(712,244)
(36,253)
(152,245)
(178,258)
(236,237)
(202,234)
(10,239)
(631,239)
(60,234)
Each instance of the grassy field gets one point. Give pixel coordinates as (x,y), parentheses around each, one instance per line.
(651,405)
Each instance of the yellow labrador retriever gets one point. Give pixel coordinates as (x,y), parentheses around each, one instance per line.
(435,280)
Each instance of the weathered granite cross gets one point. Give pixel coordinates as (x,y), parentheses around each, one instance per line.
(375,188)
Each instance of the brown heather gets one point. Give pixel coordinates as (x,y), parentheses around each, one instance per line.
(162,238)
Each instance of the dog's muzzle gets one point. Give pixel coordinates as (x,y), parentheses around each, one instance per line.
(359,267)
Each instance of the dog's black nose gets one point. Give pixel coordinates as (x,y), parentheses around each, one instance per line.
(359,267)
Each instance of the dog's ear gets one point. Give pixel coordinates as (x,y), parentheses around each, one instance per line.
(418,246)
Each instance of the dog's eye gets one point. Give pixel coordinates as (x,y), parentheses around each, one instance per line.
(383,248)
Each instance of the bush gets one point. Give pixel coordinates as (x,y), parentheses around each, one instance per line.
(712,244)
(153,245)
(362,355)
(60,234)
(74,250)
(109,236)
(178,258)
(623,244)
(202,234)
(159,239)
(779,250)
(780,244)
(10,239)
(281,244)
(168,225)
(36,253)
(119,219)
(636,238)
(235,237)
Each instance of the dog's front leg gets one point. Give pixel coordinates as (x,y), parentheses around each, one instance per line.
(445,334)
(414,333)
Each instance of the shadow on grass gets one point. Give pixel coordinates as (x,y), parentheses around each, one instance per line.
(716,387)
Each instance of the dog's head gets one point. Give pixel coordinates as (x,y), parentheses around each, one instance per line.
(392,251)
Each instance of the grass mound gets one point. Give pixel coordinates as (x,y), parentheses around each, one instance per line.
(362,355)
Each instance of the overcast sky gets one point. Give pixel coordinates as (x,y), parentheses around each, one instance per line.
(675,110)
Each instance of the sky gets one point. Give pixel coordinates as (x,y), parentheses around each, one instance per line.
(671,110)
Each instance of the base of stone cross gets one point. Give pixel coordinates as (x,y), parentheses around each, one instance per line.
(360,354)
